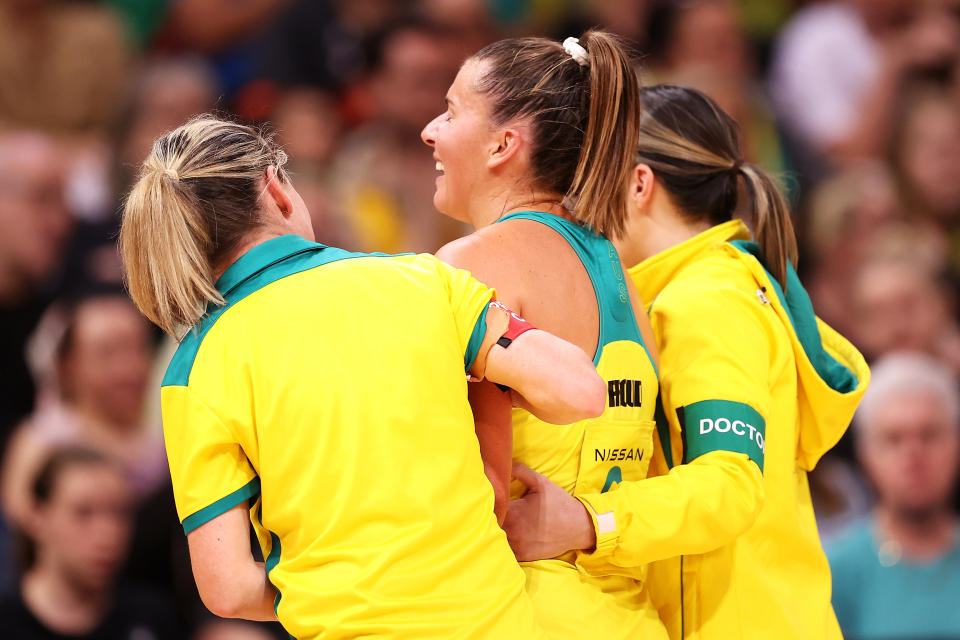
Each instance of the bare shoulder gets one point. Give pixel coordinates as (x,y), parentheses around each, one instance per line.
(492,250)
(500,255)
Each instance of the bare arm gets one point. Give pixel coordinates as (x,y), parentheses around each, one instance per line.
(230,582)
(551,378)
(491,416)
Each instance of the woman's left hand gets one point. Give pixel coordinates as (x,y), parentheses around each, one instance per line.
(547,521)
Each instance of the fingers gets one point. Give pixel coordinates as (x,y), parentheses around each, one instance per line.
(526,475)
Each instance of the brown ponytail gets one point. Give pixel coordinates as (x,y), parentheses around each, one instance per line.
(583,118)
(194,201)
(772,225)
(693,148)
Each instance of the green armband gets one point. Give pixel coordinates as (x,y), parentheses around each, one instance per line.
(722,425)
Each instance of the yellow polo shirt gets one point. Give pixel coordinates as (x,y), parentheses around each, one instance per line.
(330,391)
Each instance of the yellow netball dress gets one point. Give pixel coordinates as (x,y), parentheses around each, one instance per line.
(593,456)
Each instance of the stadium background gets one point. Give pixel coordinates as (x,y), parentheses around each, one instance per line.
(854,103)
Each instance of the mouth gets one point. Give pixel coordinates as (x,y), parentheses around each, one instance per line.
(440,167)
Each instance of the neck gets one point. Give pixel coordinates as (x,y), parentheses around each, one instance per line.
(259,236)
(507,202)
(60,603)
(923,534)
(648,234)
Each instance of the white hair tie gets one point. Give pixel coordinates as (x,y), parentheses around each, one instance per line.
(572,46)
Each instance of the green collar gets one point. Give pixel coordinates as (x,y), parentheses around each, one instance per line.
(260,257)
(657,271)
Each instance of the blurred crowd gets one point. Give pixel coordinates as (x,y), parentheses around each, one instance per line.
(855,103)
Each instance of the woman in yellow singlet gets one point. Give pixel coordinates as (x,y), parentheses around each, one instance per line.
(534,151)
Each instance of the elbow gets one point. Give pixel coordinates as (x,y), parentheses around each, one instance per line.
(587,398)
(221,602)
(584,396)
(595,395)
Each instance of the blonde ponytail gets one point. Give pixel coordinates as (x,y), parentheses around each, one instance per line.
(164,246)
(194,201)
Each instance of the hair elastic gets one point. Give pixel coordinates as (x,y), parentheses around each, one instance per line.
(572,46)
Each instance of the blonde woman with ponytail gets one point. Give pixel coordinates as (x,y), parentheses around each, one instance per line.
(535,151)
(322,395)
(754,390)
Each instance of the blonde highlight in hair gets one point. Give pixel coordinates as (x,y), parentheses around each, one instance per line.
(693,148)
(584,118)
(195,199)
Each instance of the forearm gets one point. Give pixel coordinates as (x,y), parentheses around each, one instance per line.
(695,508)
(551,378)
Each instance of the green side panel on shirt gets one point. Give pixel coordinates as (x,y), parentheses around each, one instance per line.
(796,302)
(722,425)
(221,506)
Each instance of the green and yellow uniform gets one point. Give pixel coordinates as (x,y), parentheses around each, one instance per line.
(330,391)
(593,456)
(754,390)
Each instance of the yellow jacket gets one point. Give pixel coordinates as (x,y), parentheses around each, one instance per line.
(754,390)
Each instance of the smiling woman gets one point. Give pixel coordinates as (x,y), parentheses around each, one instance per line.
(534,150)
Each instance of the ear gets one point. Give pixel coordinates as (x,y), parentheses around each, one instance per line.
(642,185)
(275,192)
(506,144)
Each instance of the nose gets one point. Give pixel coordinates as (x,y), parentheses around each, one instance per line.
(429,133)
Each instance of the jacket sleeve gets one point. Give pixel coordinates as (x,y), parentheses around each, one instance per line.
(715,366)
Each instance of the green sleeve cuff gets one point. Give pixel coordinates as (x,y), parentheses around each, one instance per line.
(476,339)
(221,506)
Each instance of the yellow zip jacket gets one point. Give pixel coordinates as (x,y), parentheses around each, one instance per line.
(754,390)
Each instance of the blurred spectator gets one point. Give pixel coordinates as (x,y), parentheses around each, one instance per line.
(897,304)
(101,366)
(925,159)
(63,66)
(385,174)
(319,42)
(78,529)
(211,26)
(35,227)
(307,126)
(839,66)
(897,574)
(168,92)
(703,44)
(627,18)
